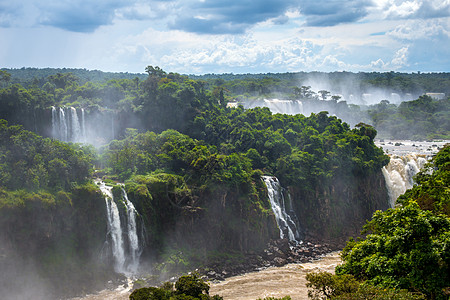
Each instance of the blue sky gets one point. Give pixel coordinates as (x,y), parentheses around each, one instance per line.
(227,36)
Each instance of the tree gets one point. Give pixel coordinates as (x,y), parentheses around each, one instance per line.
(155,71)
(407,248)
(324,94)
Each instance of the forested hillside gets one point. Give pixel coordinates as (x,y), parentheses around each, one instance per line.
(191,165)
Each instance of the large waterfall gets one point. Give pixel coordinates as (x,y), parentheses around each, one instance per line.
(66,124)
(290,107)
(399,174)
(286,221)
(126,245)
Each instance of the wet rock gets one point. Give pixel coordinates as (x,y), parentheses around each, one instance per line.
(278,261)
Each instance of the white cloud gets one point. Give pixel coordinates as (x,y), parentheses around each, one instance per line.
(421,29)
(401,58)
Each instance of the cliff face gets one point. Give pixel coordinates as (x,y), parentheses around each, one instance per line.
(217,219)
(335,212)
(50,244)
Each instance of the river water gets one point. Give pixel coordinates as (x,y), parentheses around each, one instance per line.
(289,280)
(274,282)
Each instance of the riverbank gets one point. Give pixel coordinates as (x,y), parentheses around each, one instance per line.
(279,256)
(288,280)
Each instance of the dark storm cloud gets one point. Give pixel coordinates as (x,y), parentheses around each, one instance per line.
(78,16)
(228,16)
(235,16)
(199,16)
(329,13)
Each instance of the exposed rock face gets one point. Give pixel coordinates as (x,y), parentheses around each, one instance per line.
(338,211)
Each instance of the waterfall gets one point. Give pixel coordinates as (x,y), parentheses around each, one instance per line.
(286,224)
(63,129)
(83,126)
(55,127)
(290,107)
(66,125)
(126,254)
(76,128)
(133,239)
(399,174)
(114,228)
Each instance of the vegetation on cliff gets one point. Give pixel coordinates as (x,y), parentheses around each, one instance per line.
(406,248)
(52,221)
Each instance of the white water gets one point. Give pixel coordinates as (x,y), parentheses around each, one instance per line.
(76,128)
(407,158)
(290,107)
(83,126)
(287,226)
(63,130)
(399,174)
(66,125)
(54,122)
(126,255)
(114,229)
(133,239)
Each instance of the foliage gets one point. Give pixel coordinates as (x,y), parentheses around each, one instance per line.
(324,285)
(423,118)
(407,248)
(188,287)
(327,285)
(432,190)
(28,161)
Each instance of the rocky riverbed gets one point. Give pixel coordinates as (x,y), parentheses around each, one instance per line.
(278,253)
(279,269)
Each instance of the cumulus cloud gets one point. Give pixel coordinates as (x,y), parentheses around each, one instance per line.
(421,29)
(424,9)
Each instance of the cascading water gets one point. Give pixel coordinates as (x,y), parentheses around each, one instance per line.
(63,129)
(114,228)
(288,227)
(133,239)
(83,126)
(66,125)
(399,174)
(126,254)
(55,127)
(76,128)
(290,107)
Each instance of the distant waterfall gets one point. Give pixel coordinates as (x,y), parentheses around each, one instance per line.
(55,126)
(285,221)
(63,129)
(83,126)
(76,128)
(290,107)
(66,125)
(399,174)
(126,253)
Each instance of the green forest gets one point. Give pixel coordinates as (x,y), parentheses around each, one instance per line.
(192,166)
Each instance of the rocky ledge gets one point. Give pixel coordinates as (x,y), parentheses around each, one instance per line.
(277,253)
